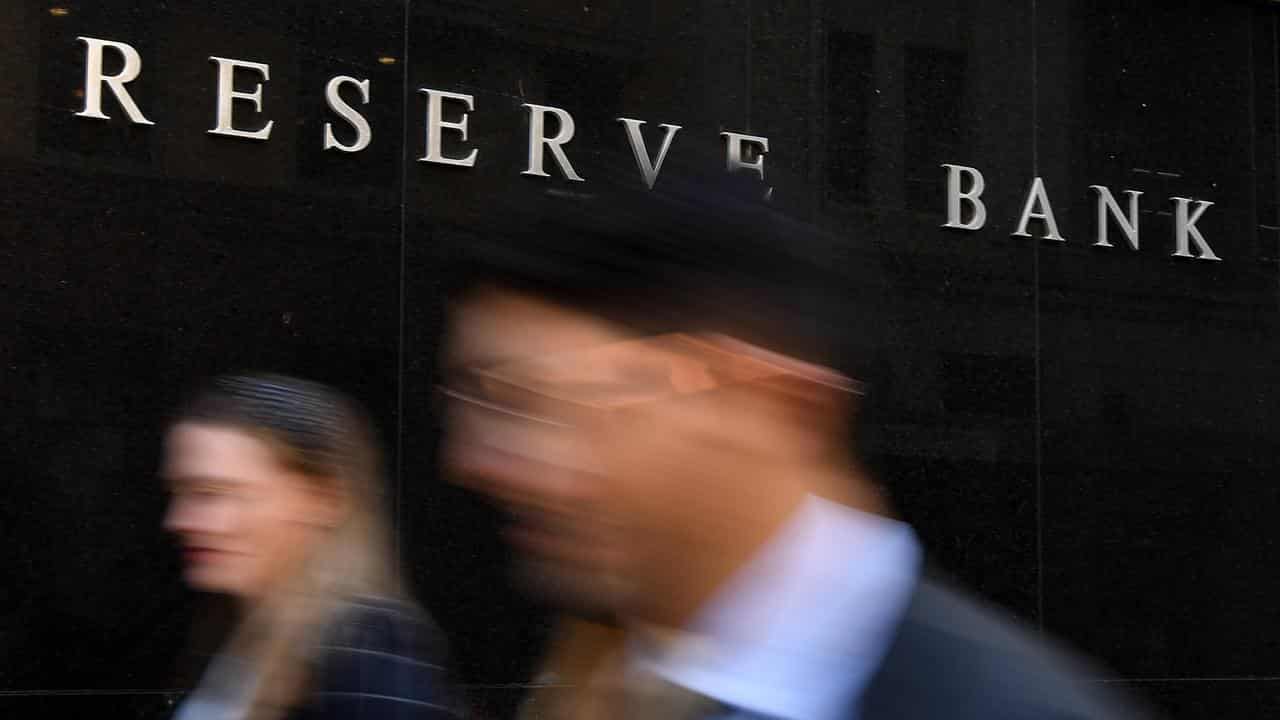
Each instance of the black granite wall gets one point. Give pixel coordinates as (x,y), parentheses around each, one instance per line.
(1084,434)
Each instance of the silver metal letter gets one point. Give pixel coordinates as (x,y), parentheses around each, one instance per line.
(733,156)
(436,125)
(348,113)
(1107,203)
(538,140)
(227,94)
(1038,199)
(93,80)
(648,170)
(956,196)
(1184,229)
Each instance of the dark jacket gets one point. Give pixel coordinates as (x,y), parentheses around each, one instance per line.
(954,659)
(381,661)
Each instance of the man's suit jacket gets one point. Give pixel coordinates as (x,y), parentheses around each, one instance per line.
(954,659)
(951,658)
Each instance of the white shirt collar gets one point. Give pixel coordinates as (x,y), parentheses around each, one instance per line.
(800,630)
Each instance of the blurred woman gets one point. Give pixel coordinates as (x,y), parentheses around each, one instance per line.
(276,504)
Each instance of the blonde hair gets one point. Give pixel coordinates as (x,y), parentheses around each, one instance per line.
(327,438)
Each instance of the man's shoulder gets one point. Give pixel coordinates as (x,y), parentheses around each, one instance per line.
(955,657)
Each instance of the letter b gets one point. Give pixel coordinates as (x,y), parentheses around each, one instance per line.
(956,196)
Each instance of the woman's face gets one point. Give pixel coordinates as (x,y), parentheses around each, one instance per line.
(244,521)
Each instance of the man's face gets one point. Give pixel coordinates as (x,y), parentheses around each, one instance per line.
(622,462)
(526,458)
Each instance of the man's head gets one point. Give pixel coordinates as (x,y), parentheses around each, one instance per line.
(631,377)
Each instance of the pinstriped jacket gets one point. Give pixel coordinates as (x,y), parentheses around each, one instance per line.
(382,661)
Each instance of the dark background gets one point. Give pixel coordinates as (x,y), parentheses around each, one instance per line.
(1084,435)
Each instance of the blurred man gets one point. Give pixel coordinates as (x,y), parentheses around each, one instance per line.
(646,384)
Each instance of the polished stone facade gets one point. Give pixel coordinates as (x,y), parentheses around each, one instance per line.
(1085,435)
